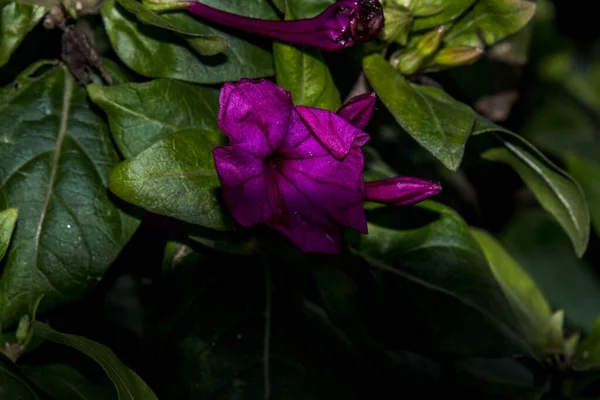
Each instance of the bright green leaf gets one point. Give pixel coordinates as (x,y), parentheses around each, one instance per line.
(435,120)
(490,21)
(176,177)
(156,53)
(16,20)
(543,250)
(14,385)
(128,384)
(8,220)
(451,10)
(444,276)
(204,44)
(527,301)
(55,157)
(587,174)
(62,381)
(303,72)
(137,120)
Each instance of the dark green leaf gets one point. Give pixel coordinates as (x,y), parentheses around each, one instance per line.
(14,385)
(176,177)
(8,220)
(303,72)
(156,52)
(55,157)
(490,21)
(556,191)
(128,384)
(16,20)
(528,302)
(587,174)
(540,247)
(204,44)
(62,381)
(137,120)
(588,351)
(451,10)
(442,273)
(434,119)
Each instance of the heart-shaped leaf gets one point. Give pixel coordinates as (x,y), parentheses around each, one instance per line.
(490,21)
(159,53)
(8,219)
(435,120)
(137,120)
(55,157)
(128,384)
(176,177)
(16,20)
(441,272)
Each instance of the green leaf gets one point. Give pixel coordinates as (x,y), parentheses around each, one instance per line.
(556,191)
(490,21)
(14,385)
(451,10)
(137,120)
(588,351)
(8,220)
(204,44)
(303,72)
(16,20)
(128,384)
(434,264)
(55,157)
(159,53)
(528,302)
(176,177)
(435,120)
(570,284)
(62,381)
(587,174)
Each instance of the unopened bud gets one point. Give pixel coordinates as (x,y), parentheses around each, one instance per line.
(431,41)
(455,56)
(410,62)
(23,328)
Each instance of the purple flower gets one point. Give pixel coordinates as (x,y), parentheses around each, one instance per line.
(300,169)
(343,24)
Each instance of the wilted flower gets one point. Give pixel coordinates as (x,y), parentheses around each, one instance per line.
(343,24)
(300,169)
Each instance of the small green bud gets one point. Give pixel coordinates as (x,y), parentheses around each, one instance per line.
(23,329)
(410,62)
(455,56)
(431,41)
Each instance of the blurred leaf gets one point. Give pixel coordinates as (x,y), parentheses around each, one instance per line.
(496,379)
(156,53)
(16,20)
(128,384)
(55,157)
(205,44)
(14,385)
(434,119)
(538,244)
(62,381)
(440,271)
(176,177)
(8,220)
(587,174)
(451,10)
(556,191)
(490,21)
(588,351)
(303,72)
(137,120)
(528,303)
(514,49)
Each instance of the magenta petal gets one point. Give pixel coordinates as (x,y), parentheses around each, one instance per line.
(334,132)
(255,115)
(400,191)
(358,110)
(305,225)
(244,187)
